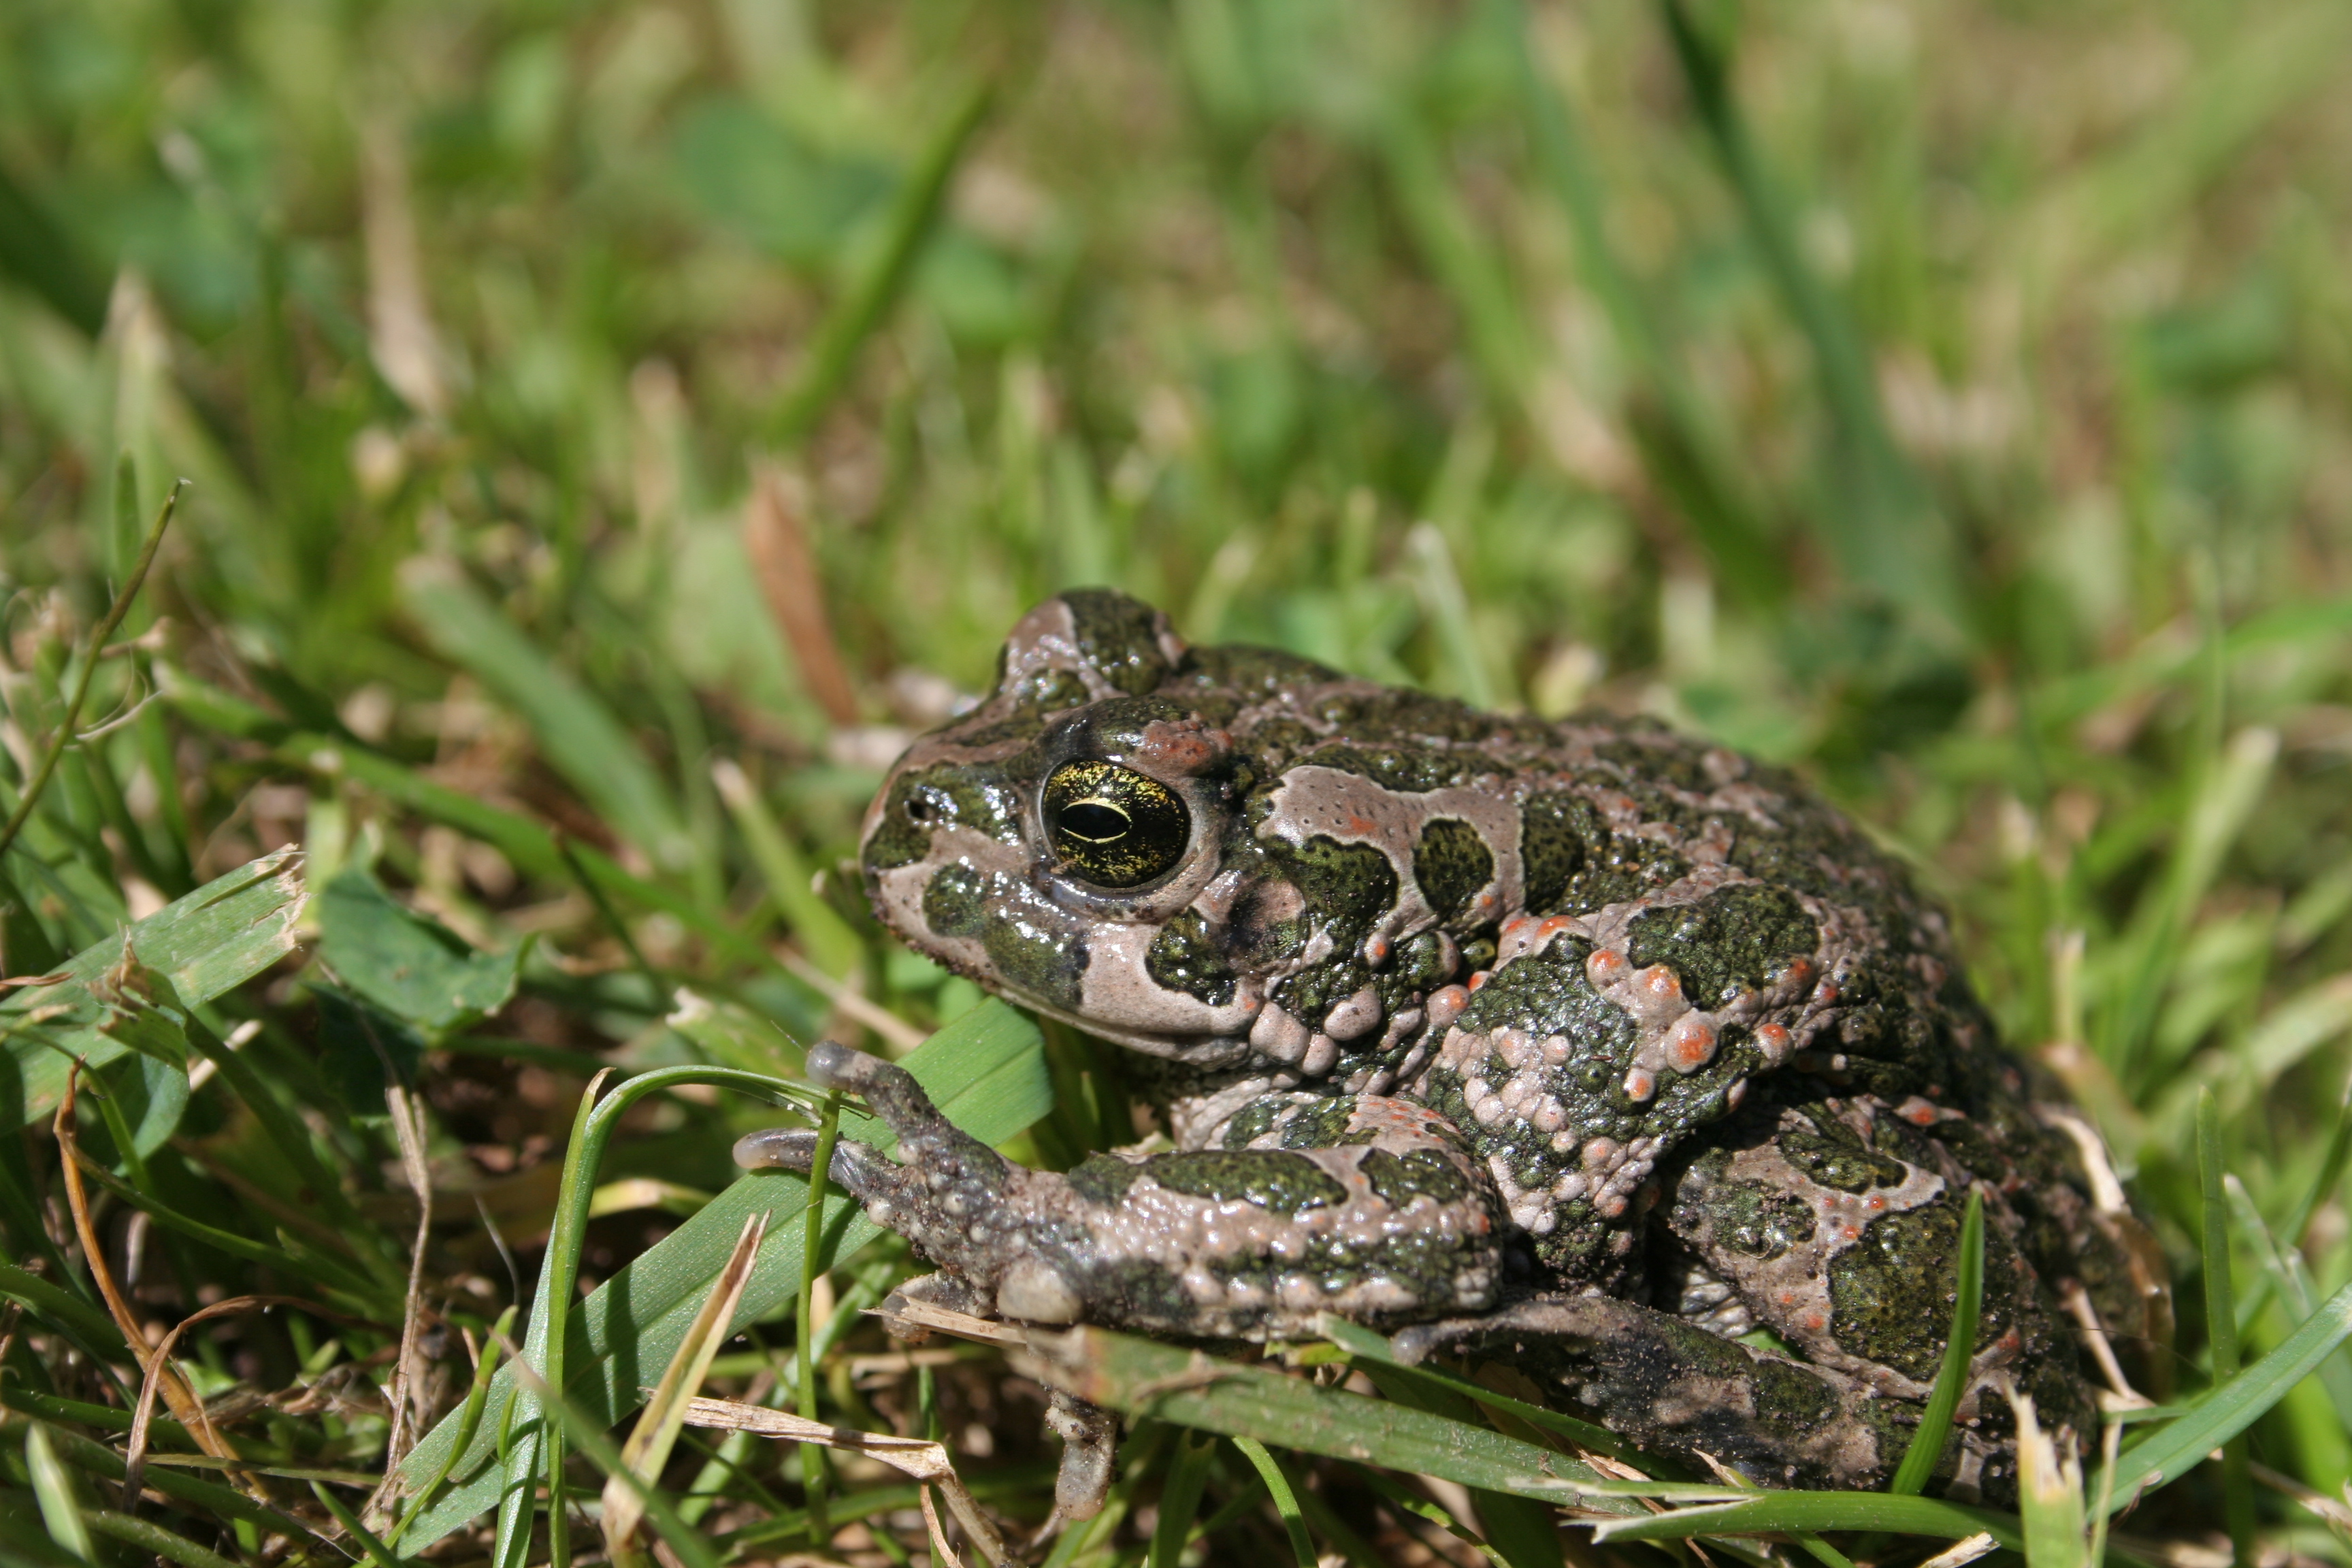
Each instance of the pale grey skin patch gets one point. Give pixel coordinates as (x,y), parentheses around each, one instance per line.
(1566,1172)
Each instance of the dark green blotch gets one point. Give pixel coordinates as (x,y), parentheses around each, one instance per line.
(1029,943)
(1547,994)
(1409,719)
(1260,672)
(1554,829)
(1120,636)
(953,902)
(1627,867)
(1421,964)
(1575,864)
(1414,769)
(952,796)
(1104,1179)
(1659,757)
(1891,1293)
(1273,1180)
(1832,1155)
(1274,744)
(1780,858)
(1183,957)
(1426,1262)
(1398,1179)
(1348,886)
(1728,941)
(1021,724)
(1453,865)
(1750,1218)
(1142,1293)
(1310,993)
(1049,690)
(1254,1121)
(1322,1125)
(1045,964)
(1788,1398)
(1118,724)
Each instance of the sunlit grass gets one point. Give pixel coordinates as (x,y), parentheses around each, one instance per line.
(612,430)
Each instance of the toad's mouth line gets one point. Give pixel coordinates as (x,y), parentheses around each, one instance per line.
(1194,1051)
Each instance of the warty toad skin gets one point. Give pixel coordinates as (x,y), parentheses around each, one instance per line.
(1582,1042)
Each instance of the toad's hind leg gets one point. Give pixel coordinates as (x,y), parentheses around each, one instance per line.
(1669,1386)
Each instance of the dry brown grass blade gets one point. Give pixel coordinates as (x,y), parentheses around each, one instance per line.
(648,1448)
(924,1460)
(135,1462)
(910,1315)
(185,1408)
(853,1005)
(400,336)
(775,536)
(408,1129)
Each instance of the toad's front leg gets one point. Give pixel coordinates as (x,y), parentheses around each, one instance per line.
(1391,1223)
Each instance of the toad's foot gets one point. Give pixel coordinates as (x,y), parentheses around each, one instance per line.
(1390,1223)
(1672,1387)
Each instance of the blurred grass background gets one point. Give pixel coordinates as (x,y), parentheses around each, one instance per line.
(631,420)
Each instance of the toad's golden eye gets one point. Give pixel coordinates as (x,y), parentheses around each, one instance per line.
(1112,826)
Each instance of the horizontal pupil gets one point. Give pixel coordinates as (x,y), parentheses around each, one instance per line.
(1096,822)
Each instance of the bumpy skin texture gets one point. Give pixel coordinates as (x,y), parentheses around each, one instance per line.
(1583,1043)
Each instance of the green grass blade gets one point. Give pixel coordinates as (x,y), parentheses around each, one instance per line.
(650,1441)
(40,253)
(374,1552)
(1448,610)
(1340,1533)
(2212,1421)
(225,1502)
(987,1072)
(1793,1512)
(469,1420)
(1460,258)
(2221,1321)
(327,1273)
(1180,1497)
(1884,528)
(1518,1532)
(579,1430)
(531,847)
(149,1537)
(218,937)
(832,945)
(1952,1378)
(2283,1265)
(30,795)
(85,1321)
(1677,444)
(2049,1494)
(820,1181)
(53,1488)
(870,295)
(1286,1500)
(1141,1378)
(582,739)
(2223,803)
(1365,1344)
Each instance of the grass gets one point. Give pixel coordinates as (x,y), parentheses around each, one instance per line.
(610,427)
